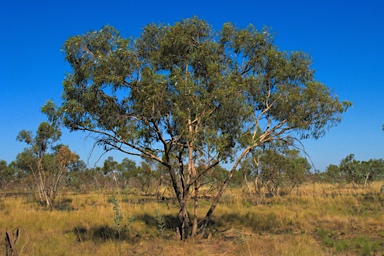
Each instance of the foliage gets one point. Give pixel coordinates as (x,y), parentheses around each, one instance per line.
(276,168)
(183,94)
(284,169)
(86,179)
(44,162)
(6,174)
(214,177)
(355,172)
(146,175)
(332,174)
(127,170)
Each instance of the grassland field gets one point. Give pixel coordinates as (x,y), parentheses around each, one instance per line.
(316,219)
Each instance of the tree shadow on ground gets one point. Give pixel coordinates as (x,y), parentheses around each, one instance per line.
(169,221)
(166,226)
(64,205)
(97,234)
(256,222)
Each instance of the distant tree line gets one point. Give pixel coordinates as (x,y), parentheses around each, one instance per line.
(47,168)
(355,172)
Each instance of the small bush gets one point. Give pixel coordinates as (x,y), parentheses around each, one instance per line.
(342,245)
(365,246)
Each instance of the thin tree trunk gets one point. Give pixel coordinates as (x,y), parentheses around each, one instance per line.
(192,173)
(184,221)
(366,179)
(43,188)
(196,206)
(258,191)
(249,188)
(158,188)
(56,185)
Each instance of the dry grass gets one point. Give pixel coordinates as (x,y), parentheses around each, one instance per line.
(318,219)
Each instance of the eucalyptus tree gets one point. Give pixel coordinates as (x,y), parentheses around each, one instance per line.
(110,171)
(282,169)
(333,174)
(7,175)
(183,94)
(45,162)
(275,167)
(127,170)
(352,170)
(357,172)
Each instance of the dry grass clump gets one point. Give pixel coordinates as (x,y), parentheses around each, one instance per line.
(318,219)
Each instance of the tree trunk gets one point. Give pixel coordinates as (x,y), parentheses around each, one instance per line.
(249,188)
(195,211)
(48,201)
(184,221)
(258,192)
(10,241)
(158,188)
(181,195)
(366,179)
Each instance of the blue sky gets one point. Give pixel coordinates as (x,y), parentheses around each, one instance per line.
(344,38)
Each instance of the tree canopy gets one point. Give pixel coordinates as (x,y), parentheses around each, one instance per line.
(184,94)
(45,162)
(354,171)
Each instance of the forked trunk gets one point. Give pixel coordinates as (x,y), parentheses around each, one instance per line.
(181,195)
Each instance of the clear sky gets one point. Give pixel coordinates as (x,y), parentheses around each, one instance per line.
(345,39)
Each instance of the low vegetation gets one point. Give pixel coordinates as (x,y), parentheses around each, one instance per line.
(315,219)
